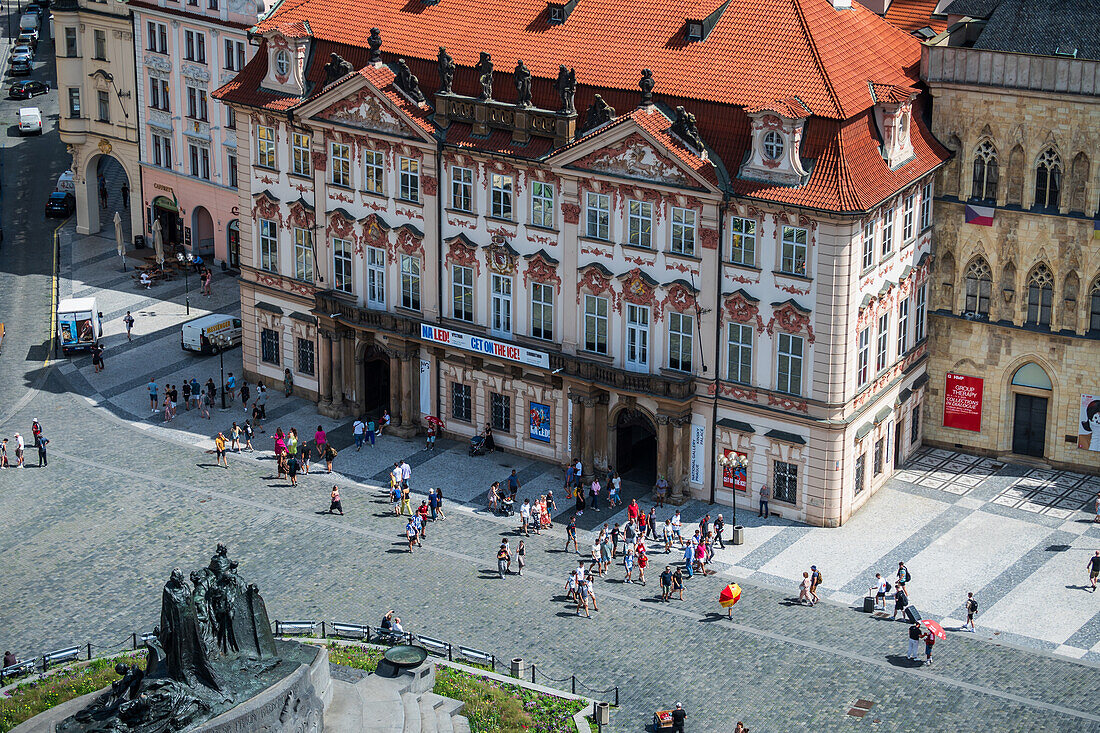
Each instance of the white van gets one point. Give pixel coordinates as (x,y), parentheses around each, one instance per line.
(79,324)
(66,183)
(198,334)
(28,23)
(30,121)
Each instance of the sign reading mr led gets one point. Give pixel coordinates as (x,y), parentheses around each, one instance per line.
(480,345)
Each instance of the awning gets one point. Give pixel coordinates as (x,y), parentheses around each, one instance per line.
(269,307)
(786,437)
(303,317)
(920,381)
(741,427)
(882,414)
(862,432)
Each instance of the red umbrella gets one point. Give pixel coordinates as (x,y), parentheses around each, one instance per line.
(934,627)
(435,421)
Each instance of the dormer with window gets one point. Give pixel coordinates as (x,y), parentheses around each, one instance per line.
(697,29)
(558,12)
(287,50)
(893,117)
(776,141)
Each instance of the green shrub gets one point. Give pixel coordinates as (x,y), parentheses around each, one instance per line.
(498,707)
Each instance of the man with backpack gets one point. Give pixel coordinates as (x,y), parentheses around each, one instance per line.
(903,577)
(971,609)
(881,589)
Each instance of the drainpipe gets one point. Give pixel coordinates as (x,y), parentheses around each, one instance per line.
(718,355)
(439,259)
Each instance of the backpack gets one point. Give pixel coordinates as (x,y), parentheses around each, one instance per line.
(973,606)
(908,576)
(888,586)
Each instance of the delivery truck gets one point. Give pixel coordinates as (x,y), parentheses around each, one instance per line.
(79,324)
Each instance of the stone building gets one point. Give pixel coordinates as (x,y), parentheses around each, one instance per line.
(1016,288)
(649,258)
(98,110)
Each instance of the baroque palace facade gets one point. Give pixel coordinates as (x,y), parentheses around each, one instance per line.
(1015,326)
(652,257)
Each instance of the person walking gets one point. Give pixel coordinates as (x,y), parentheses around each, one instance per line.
(4,456)
(815,580)
(128,320)
(358,428)
(433,504)
(244,393)
(370,432)
(219,448)
(1093,567)
(765,495)
(248,440)
(41,443)
(719,525)
(901,600)
(407,472)
(20,450)
(410,533)
(594,494)
(678,582)
(678,716)
(186,395)
(153,402)
(406,505)
(504,557)
(230,387)
(880,589)
(971,609)
(429,441)
(903,577)
(804,590)
(439,500)
(666,583)
(521,556)
(915,633)
(677,528)
(571,534)
(234,437)
(335,505)
(292,467)
(513,484)
(320,439)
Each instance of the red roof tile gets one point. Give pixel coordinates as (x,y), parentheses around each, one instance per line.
(912,15)
(892,92)
(497,141)
(790,108)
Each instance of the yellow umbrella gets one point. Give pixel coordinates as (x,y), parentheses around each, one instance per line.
(729,596)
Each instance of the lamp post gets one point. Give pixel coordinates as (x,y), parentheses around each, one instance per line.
(223,342)
(186,284)
(736,461)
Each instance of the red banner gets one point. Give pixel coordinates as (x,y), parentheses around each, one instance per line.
(735,476)
(962,403)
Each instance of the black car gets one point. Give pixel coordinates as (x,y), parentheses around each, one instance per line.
(60,203)
(27,89)
(20,67)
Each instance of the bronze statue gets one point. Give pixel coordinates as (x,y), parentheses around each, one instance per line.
(407,82)
(566,86)
(446,71)
(375,44)
(522,79)
(684,126)
(599,113)
(484,71)
(646,85)
(336,68)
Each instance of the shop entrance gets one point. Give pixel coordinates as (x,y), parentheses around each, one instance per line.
(1031,388)
(636,447)
(233,245)
(376,381)
(166,212)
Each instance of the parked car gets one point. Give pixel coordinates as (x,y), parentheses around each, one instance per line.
(27,89)
(22,52)
(60,203)
(20,67)
(28,39)
(30,121)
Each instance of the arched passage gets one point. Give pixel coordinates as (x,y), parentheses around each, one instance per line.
(107,188)
(202,232)
(1031,391)
(636,447)
(376,381)
(166,211)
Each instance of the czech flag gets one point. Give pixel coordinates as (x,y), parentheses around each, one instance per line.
(730,595)
(980,215)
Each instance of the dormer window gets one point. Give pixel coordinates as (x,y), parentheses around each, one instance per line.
(558,12)
(893,117)
(773,145)
(776,139)
(697,29)
(282,63)
(287,50)
(694,31)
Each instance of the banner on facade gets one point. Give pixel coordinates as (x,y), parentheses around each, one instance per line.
(735,475)
(698,452)
(569,430)
(540,422)
(962,402)
(425,387)
(479,345)
(1088,431)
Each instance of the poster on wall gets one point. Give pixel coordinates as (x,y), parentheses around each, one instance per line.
(736,475)
(569,431)
(425,387)
(962,402)
(1088,431)
(540,422)
(698,452)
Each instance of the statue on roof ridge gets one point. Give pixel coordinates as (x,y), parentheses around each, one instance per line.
(684,126)
(566,86)
(484,71)
(446,71)
(375,44)
(407,82)
(336,68)
(646,84)
(599,113)
(522,79)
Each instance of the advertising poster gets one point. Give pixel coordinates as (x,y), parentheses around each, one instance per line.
(540,422)
(1088,431)
(698,452)
(962,402)
(734,476)
(425,387)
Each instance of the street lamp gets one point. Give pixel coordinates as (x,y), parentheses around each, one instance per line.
(186,285)
(735,461)
(222,342)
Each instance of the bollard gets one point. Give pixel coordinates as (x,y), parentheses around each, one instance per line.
(532,673)
(573,677)
(517,667)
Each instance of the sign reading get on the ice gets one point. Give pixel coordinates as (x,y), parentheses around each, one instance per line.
(480,345)
(962,403)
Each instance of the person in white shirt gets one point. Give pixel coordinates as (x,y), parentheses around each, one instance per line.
(357,429)
(20,448)
(880,590)
(406,473)
(525,517)
(676,529)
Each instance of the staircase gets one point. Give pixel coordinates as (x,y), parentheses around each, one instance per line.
(377,704)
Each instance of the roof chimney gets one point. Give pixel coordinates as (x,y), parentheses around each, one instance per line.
(842,4)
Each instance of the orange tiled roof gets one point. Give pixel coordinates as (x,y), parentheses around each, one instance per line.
(912,15)
(791,108)
(892,92)
(759,51)
(462,135)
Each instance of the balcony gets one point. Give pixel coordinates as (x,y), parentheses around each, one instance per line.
(330,302)
(656,385)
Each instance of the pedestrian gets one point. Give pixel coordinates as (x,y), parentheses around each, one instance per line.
(439,498)
(550,503)
(410,533)
(370,432)
(335,504)
(41,443)
(815,580)
(358,428)
(628,563)
(513,484)
(578,500)
(292,467)
(205,279)
(678,582)
(915,632)
(20,447)
(4,454)
(248,440)
(219,448)
(571,534)
(643,561)
(971,609)
(591,592)
(642,524)
(230,387)
(535,522)
(288,383)
(422,514)
(330,453)
(205,402)
(584,590)
(666,583)
(406,474)
(196,393)
(429,443)
(97,357)
(594,494)
(304,454)
(521,556)
(129,321)
(152,396)
(186,395)
(1094,569)
(504,557)
(660,490)
(678,716)
(677,528)
(234,436)
(261,401)
(168,411)
(406,505)
(433,504)
(651,524)
(903,577)
(880,589)
(244,393)
(36,430)
(613,499)
(666,535)
(689,559)
(740,728)
(418,525)
(901,600)
(125,196)
(929,642)
(765,495)
(320,439)
(804,590)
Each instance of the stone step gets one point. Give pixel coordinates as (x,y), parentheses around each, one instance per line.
(410,703)
(444,721)
(381,701)
(428,722)
(461,725)
(443,709)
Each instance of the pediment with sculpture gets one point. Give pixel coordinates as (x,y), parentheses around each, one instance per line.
(635,157)
(365,111)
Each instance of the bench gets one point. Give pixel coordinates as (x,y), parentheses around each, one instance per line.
(18,669)
(478,657)
(61,655)
(389,636)
(435,646)
(295,628)
(347,631)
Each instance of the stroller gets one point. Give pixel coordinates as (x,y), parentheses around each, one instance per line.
(507,506)
(479,445)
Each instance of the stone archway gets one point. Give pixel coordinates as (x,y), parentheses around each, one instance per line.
(108,189)
(634,435)
(202,232)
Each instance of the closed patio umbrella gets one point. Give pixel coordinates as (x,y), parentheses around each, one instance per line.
(158,243)
(119,247)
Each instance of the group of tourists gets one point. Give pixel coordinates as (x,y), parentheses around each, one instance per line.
(19,448)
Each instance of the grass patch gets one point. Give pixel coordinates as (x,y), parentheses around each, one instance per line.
(28,699)
(498,707)
(356,657)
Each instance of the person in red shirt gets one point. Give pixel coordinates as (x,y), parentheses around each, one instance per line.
(632,511)
(642,519)
(422,510)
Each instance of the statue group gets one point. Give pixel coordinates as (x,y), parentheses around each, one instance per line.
(212,649)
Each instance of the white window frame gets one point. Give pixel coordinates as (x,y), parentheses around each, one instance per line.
(869,245)
(462,292)
(792,250)
(301,164)
(410,282)
(265,146)
(542,204)
(340,164)
(462,189)
(636,353)
(303,254)
(739,352)
(409,179)
(501,196)
(542,311)
(863,358)
(595,324)
(683,231)
(920,313)
(882,346)
(343,276)
(926,206)
(234,55)
(200,161)
(500,305)
(909,219)
(376,277)
(156,37)
(374,172)
(162,150)
(743,241)
(681,336)
(269,245)
(887,231)
(903,326)
(789,381)
(639,219)
(597,215)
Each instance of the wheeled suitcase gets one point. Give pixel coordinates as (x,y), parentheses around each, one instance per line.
(912,614)
(868,604)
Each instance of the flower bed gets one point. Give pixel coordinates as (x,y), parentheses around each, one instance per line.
(28,699)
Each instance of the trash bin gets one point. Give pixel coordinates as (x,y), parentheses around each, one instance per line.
(738,534)
(868,604)
(139,241)
(603,713)
(517,667)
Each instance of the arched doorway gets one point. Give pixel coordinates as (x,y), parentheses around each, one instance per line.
(636,447)
(108,191)
(376,381)
(233,244)
(166,211)
(1031,392)
(202,232)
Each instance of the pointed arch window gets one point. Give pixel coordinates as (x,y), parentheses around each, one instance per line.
(979,286)
(986,174)
(1094,306)
(1048,179)
(1040,296)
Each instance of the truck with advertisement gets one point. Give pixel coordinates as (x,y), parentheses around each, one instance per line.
(79,324)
